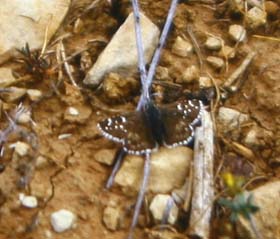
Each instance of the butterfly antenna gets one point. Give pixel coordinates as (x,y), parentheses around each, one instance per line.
(162,40)
(145,97)
(140,195)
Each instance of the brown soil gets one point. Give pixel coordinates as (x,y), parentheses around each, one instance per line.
(72,175)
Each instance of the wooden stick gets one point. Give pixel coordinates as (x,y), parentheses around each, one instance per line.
(203,183)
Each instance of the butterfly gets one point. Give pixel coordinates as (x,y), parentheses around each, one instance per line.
(143,131)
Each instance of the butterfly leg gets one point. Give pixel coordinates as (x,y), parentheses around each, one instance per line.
(118,162)
(141,194)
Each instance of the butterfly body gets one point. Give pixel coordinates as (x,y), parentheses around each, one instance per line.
(145,130)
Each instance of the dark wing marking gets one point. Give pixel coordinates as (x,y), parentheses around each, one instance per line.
(192,109)
(131,130)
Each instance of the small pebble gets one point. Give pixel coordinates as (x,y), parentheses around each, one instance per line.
(255,17)
(111,218)
(41,162)
(21,148)
(73,111)
(34,95)
(62,220)
(237,33)
(159,205)
(162,73)
(117,87)
(28,201)
(182,47)
(213,43)
(105,156)
(205,82)
(215,62)
(190,74)
(231,119)
(24,118)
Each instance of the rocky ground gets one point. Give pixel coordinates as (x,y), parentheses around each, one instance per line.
(54,160)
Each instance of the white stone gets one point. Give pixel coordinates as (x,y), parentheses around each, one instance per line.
(169,169)
(159,205)
(267,219)
(34,94)
(215,62)
(231,118)
(190,74)
(237,33)
(31,18)
(24,117)
(182,47)
(256,17)
(21,148)
(62,220)
(111,218)
(28,201)
(213,43)
(73,111)
(123,44)
(257,137)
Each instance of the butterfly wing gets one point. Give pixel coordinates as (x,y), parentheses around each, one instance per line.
(131,130)
(179,120)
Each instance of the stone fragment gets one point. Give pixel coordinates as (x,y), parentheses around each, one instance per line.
(116,87)
(159,205)
(111,218)
(231,119)
(257,137)
(205,82)
(78,114)
(6,77)
(24,117)
(169,168)
(255,17)
(123,44)
(105,156)
(34,94)
(162,73)
(266,220)
(21,148)
(227,52)
(32,18)
(41,162)
(182,47)
(13,94)
(189,75)
(213,43)
(62,220)
(72,111)
(28,201)
(216,62)
(237,33)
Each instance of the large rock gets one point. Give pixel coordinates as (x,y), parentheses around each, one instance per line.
(267,219)
(169,169)
(26,22)
(120,55)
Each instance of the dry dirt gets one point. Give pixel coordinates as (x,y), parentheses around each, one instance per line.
(71,174)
